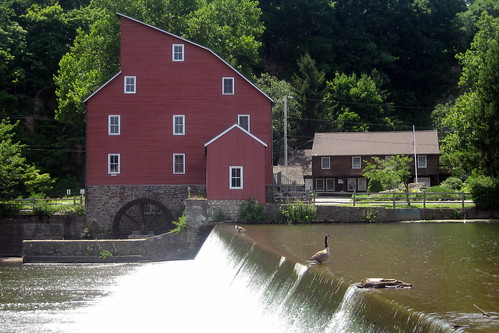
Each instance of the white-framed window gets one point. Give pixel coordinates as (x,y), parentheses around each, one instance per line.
(351,184)
(425,180)
(422,161)
(113,127)
(236,177)
(319,184)
(356,162)
(362,184)
(130,84)
(325,163)
(330,184)
(178,124)
(243,120)
(228,86)
(179,164)
(177,52)
(113,164)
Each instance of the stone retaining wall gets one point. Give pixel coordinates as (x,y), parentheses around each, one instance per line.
(104,201)
(14,229)
(169,246)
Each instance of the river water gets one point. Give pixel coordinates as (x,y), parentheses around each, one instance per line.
(259,281)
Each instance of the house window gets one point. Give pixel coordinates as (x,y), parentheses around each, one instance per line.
(330,184)
(422,161)
(178,52)
(236,177)
(243,120)
(319,184)
(178,125)
(356,162)
(113,164)
(130,84)
(325,163)
(351,184)
(179,164)
(228,85)
(362,183)
(113,125)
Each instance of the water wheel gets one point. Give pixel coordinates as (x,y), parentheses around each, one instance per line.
(142,216)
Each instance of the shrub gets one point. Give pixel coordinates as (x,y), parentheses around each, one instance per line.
(485,192)
(453,183)
(9,209)
(298,212)
(251,212)
(374,186)
(181,224)
(105,254)
(43,207)
(220,216)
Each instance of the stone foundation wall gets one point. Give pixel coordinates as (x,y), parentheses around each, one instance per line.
(14,229)
(104,201)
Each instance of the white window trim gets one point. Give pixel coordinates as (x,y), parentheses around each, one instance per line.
(328,159)
(181,116)
(109,125)
(334,185)
(317,180)
(182,53)
(359,166)
(183,165)
(249,121)
(109,164)
(223,85)
(134,91)
(424,159)
(230,178)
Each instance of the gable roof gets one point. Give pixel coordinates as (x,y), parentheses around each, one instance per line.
(230,129)
(375,143)
(186,41)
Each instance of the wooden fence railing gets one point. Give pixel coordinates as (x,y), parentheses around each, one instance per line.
(424,198)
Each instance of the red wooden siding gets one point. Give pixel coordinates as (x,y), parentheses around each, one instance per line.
(166,88)
(236,148)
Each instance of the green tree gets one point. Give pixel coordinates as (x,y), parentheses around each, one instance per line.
(473,120)
(309,85)
(277,90)
(391,173)
(17,177)
(356,103)
(230,28)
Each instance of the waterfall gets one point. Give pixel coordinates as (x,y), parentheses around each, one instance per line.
(233,285)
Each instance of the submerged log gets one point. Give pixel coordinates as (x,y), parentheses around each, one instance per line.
(383,283)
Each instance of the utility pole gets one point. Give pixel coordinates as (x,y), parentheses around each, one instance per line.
(415,156)
(285,99)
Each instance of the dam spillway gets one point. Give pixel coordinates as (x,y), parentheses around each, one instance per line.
(258,281)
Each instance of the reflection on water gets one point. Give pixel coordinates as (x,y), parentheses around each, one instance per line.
(234,286)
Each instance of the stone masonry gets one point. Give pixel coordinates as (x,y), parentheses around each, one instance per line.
(104,201)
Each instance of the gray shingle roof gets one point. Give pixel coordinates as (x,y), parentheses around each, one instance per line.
(375,143)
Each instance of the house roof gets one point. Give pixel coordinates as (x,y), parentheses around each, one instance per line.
(186,41)
(235,126)
(375,143)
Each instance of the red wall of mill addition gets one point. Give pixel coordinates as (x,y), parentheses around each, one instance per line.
(165,88)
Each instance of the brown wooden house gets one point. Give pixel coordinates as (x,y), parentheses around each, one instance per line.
(338,159)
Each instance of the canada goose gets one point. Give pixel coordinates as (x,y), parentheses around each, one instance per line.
(322,255)
(239,228)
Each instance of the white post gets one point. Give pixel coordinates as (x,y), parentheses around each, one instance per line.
(415,156)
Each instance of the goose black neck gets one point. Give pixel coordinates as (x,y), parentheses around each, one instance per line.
(325,241)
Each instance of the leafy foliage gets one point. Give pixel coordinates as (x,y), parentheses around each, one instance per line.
(472,141)
(391,172)
(251,211)
(17,177)
(297,212)
(485,192)
(181,224)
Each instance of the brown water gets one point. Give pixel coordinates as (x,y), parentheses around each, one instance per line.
(258,281)
(453,266)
